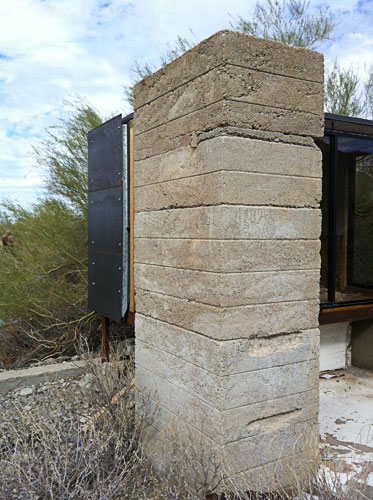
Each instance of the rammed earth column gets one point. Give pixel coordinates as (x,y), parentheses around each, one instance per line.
(227,227)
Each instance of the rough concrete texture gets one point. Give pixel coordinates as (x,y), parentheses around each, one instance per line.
(181,131)
(235,256)
(229,357)
(239,188)
(228,289)
(225,323)
(230,222)
(254,87)
(227,227)
(230,47)
(229,391)
(233,154)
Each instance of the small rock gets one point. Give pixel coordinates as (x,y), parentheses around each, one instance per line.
(28,407)
(26,391)
(75,358)
(86,380)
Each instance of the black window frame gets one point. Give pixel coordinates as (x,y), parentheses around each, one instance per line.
(340,126)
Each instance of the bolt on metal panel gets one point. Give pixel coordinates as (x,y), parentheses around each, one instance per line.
(108,219)
(105,155)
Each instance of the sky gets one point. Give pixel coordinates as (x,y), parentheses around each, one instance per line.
(53,50)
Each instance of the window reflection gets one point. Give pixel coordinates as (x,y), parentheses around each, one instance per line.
(352,256)
(360,269)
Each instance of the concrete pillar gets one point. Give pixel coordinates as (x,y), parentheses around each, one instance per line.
(227,227)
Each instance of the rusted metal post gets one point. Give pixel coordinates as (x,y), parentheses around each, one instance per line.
(105,339)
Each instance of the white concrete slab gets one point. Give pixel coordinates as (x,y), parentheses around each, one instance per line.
(14,379)
(346,426)
(334,340)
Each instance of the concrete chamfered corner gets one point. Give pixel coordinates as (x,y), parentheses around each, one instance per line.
(227,227)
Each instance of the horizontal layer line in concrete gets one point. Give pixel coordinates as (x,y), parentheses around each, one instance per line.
(236,339)
(172,120)
(226,273)
(182,389)
(237,205)
(175,385)
(223,170)
(253,133)
(316,205)
(235,65)
(227,100)
(178,416)
(240,440)
(228,307)
(245,133)
(316,391)
(220,65)
(222,240)
(190,424)
(227,375)
(268,336)
(301,454)
(177,87)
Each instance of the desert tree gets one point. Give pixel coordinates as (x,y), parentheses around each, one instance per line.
(368,89)
(342,94)
(43,277)
(289,22)
(139,71)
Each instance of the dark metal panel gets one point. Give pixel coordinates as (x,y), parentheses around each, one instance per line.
(348,124)
(105,155)
(348,119)
(107,205)
(105,221)
(128,118)
(105,285)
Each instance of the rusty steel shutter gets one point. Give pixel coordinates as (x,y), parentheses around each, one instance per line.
(108,219)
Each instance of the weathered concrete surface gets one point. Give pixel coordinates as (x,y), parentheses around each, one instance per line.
(238,188)
(14,379)
(233,153)
(228,289)
(236,256)
(226,323)
(227,227)
(245,85)
(230,222)
(236,49)
(225,392)
(179,132)
(222,425)
(233,356)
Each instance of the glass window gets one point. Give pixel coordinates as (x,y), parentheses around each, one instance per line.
(347,227)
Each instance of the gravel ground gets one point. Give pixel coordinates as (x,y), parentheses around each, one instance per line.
(63,400)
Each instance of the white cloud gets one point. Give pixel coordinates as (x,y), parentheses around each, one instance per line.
(53,49)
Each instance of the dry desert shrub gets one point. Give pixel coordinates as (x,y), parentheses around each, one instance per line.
(106,456)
